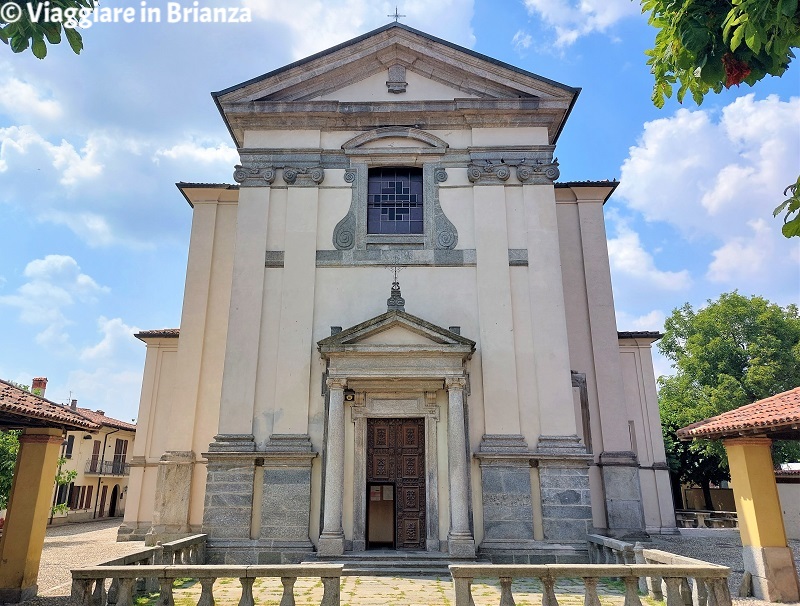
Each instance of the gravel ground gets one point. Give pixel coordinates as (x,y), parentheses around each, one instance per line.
(719,546)
(93,542)
(73,545)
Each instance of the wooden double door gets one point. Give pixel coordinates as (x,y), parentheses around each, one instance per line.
(396,484)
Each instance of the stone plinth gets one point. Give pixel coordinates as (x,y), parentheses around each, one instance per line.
(229,487)
(623,492)
(564,486)
(173,488)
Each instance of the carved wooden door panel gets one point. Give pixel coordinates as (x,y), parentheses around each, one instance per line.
(396,454)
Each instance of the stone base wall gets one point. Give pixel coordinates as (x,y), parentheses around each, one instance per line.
(533,552)
(623,492)
(256,552)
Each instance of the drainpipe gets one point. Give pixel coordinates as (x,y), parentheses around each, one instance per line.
(100,477)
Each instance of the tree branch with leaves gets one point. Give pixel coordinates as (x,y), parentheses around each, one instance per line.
(708,45)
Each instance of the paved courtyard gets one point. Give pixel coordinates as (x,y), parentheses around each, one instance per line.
(86,544)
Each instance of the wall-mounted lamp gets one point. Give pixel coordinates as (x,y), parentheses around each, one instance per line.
(349,395)
(87,437)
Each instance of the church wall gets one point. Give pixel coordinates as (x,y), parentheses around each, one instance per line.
(373,88)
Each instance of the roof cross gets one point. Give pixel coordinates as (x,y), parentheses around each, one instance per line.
(396,15)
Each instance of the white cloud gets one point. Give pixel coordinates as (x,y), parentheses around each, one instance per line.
(522,41)
(194,152)
(716,177)
(653,320)
(327,23)
(628,257)
(73,166)
(115,391)
(742,256)
(116,334)
(54,283)
(22,100)
(572,19)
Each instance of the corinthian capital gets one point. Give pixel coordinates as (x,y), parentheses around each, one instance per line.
(452,383)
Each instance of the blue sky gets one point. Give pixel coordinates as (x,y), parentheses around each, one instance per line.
(95,234)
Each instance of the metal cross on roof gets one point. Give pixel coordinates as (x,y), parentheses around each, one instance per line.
(396,15)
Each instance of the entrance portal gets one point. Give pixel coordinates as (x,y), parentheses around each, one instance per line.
(396,483)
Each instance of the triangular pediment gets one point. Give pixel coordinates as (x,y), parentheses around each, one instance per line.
(392,65)
(395,329)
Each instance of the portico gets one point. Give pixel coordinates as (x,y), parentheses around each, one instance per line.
(397,366)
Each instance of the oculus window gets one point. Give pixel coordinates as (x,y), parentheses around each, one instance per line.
(394,201)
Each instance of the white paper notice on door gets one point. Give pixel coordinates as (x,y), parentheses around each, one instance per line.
(388,493)
(374,493)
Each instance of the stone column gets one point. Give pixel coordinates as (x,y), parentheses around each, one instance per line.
(767,556)
(28,509)
(331,541)
(460,541)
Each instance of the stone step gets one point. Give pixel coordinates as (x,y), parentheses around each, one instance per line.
(393,563)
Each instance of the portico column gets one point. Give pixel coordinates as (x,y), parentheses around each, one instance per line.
(331,541)
(460,541)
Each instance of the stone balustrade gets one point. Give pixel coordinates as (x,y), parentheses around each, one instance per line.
(711,581)
(604,550)
(706,519)
(89,584)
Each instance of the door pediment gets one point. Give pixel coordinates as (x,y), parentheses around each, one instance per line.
(395,330)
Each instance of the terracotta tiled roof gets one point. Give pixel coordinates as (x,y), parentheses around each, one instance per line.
(163,333)
(20,408)
(778,413)
(99,417)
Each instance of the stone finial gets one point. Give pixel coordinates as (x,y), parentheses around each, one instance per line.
(396,302)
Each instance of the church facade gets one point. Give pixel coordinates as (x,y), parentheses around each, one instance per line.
(398,328)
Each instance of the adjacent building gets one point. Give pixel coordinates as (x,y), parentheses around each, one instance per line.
(398,327)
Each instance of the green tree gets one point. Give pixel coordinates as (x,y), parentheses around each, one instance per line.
(734,351)
(705,45)
(62,479)
(35,23)
(9,446)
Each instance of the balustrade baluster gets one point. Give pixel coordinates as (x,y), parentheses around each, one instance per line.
(207,594)
(165,592)
(632,591)
(506,597)
(247,591)
(99,596)
(287,599)
(638,558)
(113,592)
(686,592)
(330,595)
(548,591)
(590,592)
(82,592)
(125,592)
(674,597)
(718,592)
(699,593)
(463,589)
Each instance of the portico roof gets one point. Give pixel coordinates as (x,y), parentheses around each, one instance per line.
(20,409)
(777,417)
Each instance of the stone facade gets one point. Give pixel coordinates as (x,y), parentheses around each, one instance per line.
(289,348)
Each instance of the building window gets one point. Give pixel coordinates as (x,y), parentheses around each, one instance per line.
(70,445)
(394,201)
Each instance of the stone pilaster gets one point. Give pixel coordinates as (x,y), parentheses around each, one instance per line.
(623,495)
(173,487)
(286,498)
(331,541)
(460,541)
(564,487)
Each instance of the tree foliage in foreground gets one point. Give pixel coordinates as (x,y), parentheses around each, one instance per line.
(34,24)
(705,45)
(733,352)
(9,446)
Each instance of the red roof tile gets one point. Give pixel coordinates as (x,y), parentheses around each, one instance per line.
(780,412)
(99,417)
(16,405)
